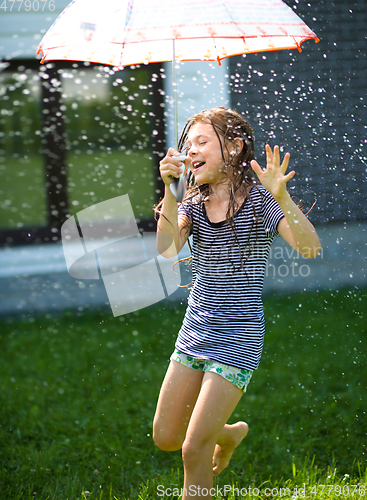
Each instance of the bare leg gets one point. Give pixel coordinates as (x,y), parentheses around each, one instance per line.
(176,402)
(215,403)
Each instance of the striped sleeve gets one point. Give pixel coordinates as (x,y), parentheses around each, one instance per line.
(271,213)
(186,209)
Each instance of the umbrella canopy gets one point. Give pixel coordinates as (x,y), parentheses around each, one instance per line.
(126,32)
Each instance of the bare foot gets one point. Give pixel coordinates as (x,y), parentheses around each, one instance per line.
(229,439)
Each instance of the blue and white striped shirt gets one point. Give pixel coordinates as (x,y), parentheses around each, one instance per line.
(224,320)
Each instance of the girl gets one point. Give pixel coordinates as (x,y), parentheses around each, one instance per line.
(233,220)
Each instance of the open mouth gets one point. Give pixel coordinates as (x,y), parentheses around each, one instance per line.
(198,165)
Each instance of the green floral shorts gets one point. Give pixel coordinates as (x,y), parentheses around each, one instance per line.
(240,378)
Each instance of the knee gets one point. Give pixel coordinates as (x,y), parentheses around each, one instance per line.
(165,440)
(166,443)
(194,453)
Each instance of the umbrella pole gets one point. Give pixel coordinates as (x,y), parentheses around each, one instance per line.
(174,83)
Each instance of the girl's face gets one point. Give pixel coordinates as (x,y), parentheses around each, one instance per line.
(204,151)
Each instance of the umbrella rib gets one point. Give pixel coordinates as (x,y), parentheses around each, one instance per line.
(233,21)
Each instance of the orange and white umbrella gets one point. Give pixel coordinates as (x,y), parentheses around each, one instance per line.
(125,32)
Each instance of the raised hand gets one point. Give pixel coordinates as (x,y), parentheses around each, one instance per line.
(273,178)
(169,167)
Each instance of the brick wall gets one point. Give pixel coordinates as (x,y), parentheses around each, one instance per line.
(314,104)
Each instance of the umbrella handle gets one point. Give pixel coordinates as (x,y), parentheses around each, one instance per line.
(174,83)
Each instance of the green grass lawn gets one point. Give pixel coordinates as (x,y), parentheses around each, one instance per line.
(78,395)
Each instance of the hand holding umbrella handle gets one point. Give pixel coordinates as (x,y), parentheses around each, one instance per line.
(178,186)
